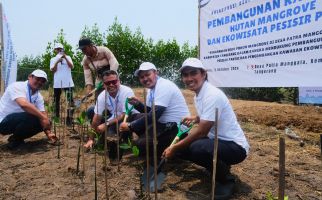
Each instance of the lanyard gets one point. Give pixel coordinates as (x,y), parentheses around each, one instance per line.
(29,91)
(112,104)
(152,91)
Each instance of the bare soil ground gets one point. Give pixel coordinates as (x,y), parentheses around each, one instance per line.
(34,171)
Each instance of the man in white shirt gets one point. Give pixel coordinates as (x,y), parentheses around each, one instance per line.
(170,108)
(22,111)
(61,65)
(198,145)
(114,102)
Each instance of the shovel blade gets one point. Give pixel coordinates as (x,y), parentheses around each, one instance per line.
(150,183)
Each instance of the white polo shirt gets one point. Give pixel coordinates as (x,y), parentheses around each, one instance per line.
(116,104)
(167,94)
(8,105)
(63,75)
(210,98)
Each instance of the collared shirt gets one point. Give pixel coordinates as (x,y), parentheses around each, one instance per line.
(8,105)
(103,57)
(167,94)
(113,105)
(63,75)
(210,98)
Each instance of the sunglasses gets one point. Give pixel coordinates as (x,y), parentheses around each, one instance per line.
(113,82)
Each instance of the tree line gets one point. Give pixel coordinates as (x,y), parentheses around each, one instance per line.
(131,48)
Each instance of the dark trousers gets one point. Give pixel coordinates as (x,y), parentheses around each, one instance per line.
(166,132)
(57,94)
(22,125)
(201,153)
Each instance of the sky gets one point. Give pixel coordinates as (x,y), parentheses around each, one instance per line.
(34,23)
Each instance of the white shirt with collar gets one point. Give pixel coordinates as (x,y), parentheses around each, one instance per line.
(167,94)
(206,102)
(113,105)
(63,75)
(8,105)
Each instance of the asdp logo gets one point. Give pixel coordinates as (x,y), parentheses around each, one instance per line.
(202,3)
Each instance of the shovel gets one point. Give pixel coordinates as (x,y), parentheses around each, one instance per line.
(82,100)
(161,176)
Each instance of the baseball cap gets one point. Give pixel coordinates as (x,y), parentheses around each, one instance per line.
(40,73)
(192,62)
(145,67)
(58,46)
(84,42)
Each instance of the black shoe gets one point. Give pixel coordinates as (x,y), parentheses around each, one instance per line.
(225,190)
(14,144)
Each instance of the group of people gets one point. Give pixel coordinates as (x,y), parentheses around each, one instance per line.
(22,112)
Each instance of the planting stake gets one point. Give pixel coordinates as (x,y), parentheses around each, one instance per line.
(105,146)
(147,141)
(154,150)
(321,145)
(281,178)
(95,178)
(78,156)
(214,161)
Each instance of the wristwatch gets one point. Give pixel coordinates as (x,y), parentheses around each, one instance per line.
(107,123)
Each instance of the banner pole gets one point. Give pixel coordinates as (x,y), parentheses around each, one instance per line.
(2,52)
(199,29)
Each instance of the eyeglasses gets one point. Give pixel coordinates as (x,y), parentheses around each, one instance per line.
(113,82)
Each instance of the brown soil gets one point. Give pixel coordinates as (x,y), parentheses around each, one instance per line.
(34,171)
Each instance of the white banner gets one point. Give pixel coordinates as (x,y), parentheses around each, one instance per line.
(9,69)
(262,43)
(310,95)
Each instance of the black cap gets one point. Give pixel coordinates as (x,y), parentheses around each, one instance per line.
(84,42)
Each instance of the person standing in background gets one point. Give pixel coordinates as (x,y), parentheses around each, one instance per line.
(61,65)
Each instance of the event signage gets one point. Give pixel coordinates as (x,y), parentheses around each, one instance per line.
(9,68)
(258,43)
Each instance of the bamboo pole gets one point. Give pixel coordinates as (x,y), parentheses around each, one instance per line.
(118,137)
(105,144)
(155,163)
(214,161)
(281,177)
(147,146)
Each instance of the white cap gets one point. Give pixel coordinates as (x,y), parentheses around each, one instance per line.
(192,62)
(59,46)
(40,73)
(145,67)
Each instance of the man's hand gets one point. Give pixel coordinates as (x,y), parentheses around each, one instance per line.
(168,153)
(134,100)
(101,128)
(188,121)
(45,123)
(51,137)
(124,127)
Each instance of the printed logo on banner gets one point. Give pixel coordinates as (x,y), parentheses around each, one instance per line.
(202,3)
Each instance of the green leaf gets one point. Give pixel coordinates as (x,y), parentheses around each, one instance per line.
(135,151)
(125,146)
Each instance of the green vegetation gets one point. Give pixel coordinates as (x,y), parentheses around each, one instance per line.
(131,49)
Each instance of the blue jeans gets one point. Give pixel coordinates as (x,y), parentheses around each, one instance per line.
(201,153)
(22,125)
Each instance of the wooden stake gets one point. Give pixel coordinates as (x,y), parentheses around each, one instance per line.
(281,177)
(155,142)
(214,161)
(147,146)
(105,145)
